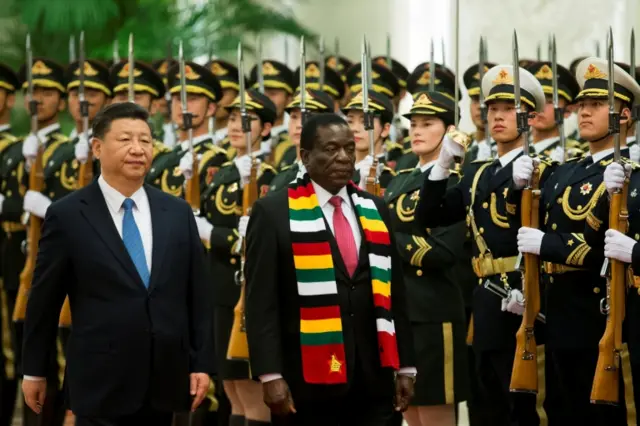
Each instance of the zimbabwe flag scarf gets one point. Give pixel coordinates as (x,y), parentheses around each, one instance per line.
(321,339)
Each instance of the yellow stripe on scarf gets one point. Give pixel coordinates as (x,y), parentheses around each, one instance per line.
(303,203)
(373,225)
(321,325)
(323,261)
(381,288)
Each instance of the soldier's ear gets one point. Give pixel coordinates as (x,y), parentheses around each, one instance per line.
(625,115)
(11,100)
(386,127)
(62,105)
(212,108)
(266,129)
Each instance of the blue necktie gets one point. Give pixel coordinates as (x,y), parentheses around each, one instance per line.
(133,241)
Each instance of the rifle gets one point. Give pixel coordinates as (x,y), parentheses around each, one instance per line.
(131,88)
(373,185)
(36,183)
(558,112)
(238,343)
(524,376)
(483,105)
(432,68)
(605,389)
(192,190)
(635,111)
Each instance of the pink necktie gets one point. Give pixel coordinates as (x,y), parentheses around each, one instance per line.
(344,236)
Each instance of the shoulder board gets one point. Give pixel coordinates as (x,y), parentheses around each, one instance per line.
(634,165)
(486,160)
(211,146)
(407,151)
(399,172)
(406,139)
(282,169)
(389,170)
(227,163)
(284,135)
(159,146)
(60,137)
(390,145)
(573,159)
(264,167)
(545,159)
(454,172)
(8,137)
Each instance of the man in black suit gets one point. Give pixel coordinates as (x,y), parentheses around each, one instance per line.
(131,261)
(353,381)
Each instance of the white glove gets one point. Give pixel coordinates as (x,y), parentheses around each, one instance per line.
(30,147)
(265,146)
(449,150)
(522,171)
(243,164)
(484,151)
(2,198)
(186,165)
(514,302)
(557,154)
(618,246)
(614,176)
(242,226)
(634,153)
(204,228)
(363,168)
(529,240)
(36,203)
(82,149)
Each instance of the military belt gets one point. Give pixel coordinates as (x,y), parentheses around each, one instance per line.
(486,266)
(10,227)
(558,268)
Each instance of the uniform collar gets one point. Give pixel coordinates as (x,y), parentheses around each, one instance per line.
(509,157)
(600,155)
(545,143)
(426,166)
(184,145)
(44,132)
(5,127)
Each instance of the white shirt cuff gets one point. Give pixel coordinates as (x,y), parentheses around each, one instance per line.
(270,377)
(408,371)
(34,378)
(439,173)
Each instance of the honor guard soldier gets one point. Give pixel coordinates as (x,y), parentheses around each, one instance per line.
(387,84)
(148,86)
(418,82)
(436,309)
(227,75)
(572,268)
(481,146)
(333,84)
(12,262)
(203,91)
(481,199)
(572,128)
(162,105)
(315,102)
(279,87)
(382,117)
(630,136)
(59,179)
(220,224)
(544,130)
(97,93)
(341,65)
(397,133)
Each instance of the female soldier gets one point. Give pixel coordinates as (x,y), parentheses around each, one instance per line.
(220,226)
(435,304)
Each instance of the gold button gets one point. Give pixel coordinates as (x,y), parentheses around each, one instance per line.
(9,193)
(13,173)
(157,181)
(230,238)
(391,206)
(551,280)
(419,272)
(485,205)
(233,261)
(637,237)
(209,215)
(57,174)
(559,200)
(482,230)
(479,281)
(596,290)
(554,226)
(639,291)
(51,194)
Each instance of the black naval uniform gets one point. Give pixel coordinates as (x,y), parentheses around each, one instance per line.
(222,206)
(434,301)
(481,198)
(11,171)
(573,285)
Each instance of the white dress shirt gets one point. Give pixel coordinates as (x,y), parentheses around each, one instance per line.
(169,137)
(184,145)
(4,127)
(545,143)
(141,214)
(426,166)
(220,134)
(348,210)
(600,155)
(507,158)
(43,133)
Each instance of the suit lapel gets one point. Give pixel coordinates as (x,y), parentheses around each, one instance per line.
(161,229)
(96,212)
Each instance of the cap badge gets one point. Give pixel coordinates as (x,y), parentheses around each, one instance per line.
(39,67)
(593,72)
(269,69)
(124,72)
(544,73)
(89,71)
(423,100)
(312,71)
(503,77)
(218,69)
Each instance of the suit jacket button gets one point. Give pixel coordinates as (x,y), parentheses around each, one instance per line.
(419,272)
(353,287)
(352,314)
(596,290)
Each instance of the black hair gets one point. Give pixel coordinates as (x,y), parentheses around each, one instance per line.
(314,122)
(102,122)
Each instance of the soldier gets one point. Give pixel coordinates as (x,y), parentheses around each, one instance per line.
(333,84)
(544,134)
(162,105)
(630,136)
(341,65)
(148,86)
(381,124)
(481,198)
(220,224)
(278,86)
(479,148)
(11,192)
(49,90)
(227,75)
(316,101)
(436,310)
(571,274)
(397,133)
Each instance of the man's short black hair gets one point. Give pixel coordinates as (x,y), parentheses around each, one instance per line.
(314,122)
(102,122)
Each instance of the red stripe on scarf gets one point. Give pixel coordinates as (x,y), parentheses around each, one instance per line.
(311,249)
(317,365)
(382,301)
(389,356)
(377,237)
(301,191)
(324,312)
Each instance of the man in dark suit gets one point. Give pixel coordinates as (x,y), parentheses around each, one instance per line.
(131,261)
(327,342)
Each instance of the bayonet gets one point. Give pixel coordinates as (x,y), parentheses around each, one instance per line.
(614,117)
(635,116)
(539,52)
(443,52)
(432,69)
(259,65)
(303,82)
(336,48)
(116,54)
(84,105)
(33,104)
(597,48)
(550,47)
(132,92)
(483,106)
(557,110)
(167,94)
(186,115)
(72,48)
(286,50)
(522,116)
(456,113)
(368,117)
(486,50)
(388,52)
(322,64)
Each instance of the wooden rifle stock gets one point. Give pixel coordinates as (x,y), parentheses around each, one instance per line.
(524,376)
(192,191)
(373,185)
(605,389)
(36,183)
(238,344)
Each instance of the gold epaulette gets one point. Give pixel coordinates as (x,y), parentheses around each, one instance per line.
(159,146)
(574,159)
(227,163)
(545,159)
(390,170)
(209,154)
(479,161)
(9,138)
(215,148)
(60,137)
(284,168)
(390,145)
(407,139)
(399,172)
(634,165)
(264,167)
